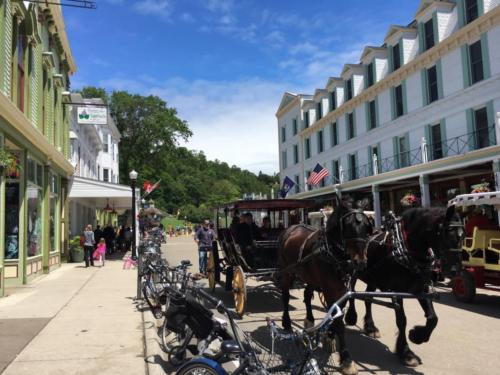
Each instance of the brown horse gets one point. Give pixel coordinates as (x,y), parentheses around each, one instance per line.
(304,254)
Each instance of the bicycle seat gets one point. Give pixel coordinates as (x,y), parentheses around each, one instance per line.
(230,347)
(186,263)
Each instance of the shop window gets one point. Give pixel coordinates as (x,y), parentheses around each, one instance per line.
(35,200)
(12,219)
(53,217)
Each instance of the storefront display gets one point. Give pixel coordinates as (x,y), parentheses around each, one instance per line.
(35,199)
(12,220)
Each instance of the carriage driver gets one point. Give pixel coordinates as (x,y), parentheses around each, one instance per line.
(247,232)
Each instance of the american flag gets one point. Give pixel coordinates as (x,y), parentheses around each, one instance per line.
(317,174)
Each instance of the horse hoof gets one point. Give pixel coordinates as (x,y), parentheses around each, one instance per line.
(329,343)
(348,367)
(351,317)
(410,359)
(372,332)
(287,324)
(417,335)
(308,323)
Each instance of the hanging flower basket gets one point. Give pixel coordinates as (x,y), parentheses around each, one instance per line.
(8,162)
(409,200)
(483,187)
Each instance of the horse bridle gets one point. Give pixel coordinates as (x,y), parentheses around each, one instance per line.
(343,244)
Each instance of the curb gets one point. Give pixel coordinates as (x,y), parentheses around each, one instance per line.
(156,359)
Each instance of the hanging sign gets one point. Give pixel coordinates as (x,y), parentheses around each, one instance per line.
(92,115)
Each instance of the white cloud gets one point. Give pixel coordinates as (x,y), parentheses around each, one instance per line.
(154,7)
(232,121)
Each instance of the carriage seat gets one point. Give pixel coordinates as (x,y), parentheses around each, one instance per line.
(474,247)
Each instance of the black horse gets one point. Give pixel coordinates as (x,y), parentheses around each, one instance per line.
(304,253)
(425,230)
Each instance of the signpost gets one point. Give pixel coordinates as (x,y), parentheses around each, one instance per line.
(92,115)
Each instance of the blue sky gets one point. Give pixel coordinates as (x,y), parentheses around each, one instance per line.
(224,64)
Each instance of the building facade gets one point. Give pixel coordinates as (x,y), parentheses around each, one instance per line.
(94,156)
(35,66)
(418,114)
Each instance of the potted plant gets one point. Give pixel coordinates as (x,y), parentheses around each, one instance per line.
(75,250)
(7,161)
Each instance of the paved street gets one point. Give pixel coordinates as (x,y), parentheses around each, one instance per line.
(73,321)
(466,340)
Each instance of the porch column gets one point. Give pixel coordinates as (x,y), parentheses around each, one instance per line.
(424,190)
(463,186)
(376,206)
(392,201)
(496,172)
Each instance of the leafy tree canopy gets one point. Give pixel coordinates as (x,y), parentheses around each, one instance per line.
(190,184)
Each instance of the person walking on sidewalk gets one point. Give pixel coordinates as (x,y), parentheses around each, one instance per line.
(88,246)
(101,249)
(204,238)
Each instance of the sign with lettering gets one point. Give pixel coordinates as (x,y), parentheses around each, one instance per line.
(92,115)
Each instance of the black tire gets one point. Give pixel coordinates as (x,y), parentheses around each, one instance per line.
(464,287)
(177,356)
(198,369)
(169,339)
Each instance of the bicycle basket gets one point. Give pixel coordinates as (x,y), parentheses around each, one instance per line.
(176,314)
(199,318)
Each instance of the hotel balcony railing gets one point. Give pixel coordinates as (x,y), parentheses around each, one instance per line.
(481,138)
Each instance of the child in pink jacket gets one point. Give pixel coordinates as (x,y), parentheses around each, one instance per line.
(101,249)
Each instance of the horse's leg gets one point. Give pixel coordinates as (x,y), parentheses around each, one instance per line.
(369,328)
(351,317)
(286,283)
(308,296)
(421,334)
(402,349)
(337,329)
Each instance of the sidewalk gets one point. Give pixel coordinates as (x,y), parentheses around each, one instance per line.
(74,321)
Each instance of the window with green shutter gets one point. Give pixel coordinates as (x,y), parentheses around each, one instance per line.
(333,101)
(372,115)
(432,85)
(294,126)
(429,34)
(350,126)
(334,135)
(320,142)
(476,62)
(336,171)
(319,111)
(353,171)
(349,89)
(396,57)
(471,9)
(297,185)
(398,101)
(295,154)
(306,119)
(369,75)
(307,148)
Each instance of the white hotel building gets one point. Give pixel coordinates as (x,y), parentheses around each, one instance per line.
(419,113)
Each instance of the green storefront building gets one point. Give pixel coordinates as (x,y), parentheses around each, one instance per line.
(35,65)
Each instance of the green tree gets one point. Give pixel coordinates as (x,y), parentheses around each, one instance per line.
(91,92)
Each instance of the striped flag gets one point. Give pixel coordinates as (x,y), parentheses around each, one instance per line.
(317,174)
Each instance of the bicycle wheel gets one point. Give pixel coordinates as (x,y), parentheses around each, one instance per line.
(197,369)
(177,356)
(169,339)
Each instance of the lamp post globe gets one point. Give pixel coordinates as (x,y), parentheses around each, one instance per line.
(133,175)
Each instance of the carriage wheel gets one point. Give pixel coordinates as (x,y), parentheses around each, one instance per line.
(464,287)
(239,290)
(322,299)
(211,271)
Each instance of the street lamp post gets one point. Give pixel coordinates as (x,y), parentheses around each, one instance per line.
(133,179)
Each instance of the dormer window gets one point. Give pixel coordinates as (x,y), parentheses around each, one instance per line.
(471,10)
(369,75)
(319,111)
(396,57)
(348,85)
(429,34)
(333,100)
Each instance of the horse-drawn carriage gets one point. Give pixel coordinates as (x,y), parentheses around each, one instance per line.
(477,263)
(258,261)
